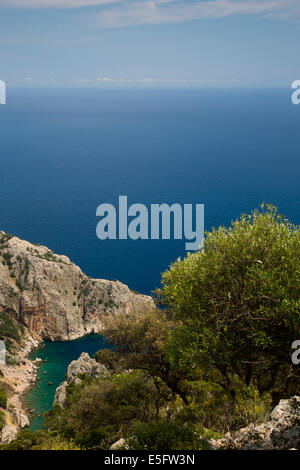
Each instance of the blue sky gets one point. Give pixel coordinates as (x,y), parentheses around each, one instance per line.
(141,43)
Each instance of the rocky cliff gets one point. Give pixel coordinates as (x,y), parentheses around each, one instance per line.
(83,365)
(52,296)
(44,296)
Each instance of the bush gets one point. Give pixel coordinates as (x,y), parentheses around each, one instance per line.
(140,338)
(28,440)
(2,420)
(111,359)
(97,411)
(8,327)
(215,409)
(3,398)
(239,303)
(166,436)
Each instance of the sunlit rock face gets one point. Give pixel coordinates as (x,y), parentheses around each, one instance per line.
(2,352)
(52,296)
(83,365)
(280,432)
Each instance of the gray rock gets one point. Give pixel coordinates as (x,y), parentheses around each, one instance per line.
(119,445)
(83,365)
(280,432)
(2,353)
(54,300)
(53,297)
(61,394)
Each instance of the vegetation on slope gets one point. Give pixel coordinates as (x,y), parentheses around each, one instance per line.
(216,357)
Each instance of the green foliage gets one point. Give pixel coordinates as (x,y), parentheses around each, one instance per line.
(97,411)
(2,420)
(111,359)
(215,408)
(4,238)
(166,435)
(38,440)
(9,327)
(239,304)
(3,397)
(140,339)
(215,359)
(8,259)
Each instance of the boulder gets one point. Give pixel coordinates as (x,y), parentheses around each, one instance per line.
(83,365)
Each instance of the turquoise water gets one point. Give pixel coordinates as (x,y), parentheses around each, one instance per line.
(57,357)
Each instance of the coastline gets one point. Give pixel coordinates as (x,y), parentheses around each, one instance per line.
(56,358)
(19,379)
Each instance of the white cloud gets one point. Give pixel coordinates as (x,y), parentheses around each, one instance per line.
(148,80)
(106,79)
(138,12)
(54,3)
(141,12)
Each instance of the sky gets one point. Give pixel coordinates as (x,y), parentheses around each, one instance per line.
(142,43)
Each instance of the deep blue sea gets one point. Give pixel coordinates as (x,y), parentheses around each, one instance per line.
(64,152)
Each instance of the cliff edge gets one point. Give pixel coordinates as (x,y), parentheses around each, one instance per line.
(44,296)
(51,296)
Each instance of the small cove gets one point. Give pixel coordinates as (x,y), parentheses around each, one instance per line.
(56,357)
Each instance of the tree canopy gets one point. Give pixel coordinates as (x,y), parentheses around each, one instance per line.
(239,304)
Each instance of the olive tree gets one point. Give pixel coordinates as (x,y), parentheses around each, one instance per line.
(238,301)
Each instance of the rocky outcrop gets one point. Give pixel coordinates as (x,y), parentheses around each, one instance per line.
(47,297)
(52,296)
(280,432)
(2,352)
(121,444)
(76,369)
(17,379)
(84,365)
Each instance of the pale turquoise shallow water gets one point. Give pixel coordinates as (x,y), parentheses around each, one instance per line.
(58,356)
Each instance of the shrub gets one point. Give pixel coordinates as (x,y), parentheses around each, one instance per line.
(95,413)
(2,420)
(166,436)
(3,397)
(239,303)
(8,327)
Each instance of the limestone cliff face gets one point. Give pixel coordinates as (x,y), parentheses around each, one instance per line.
(52,296)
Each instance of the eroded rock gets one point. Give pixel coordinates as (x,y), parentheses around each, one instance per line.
(52,296)
(76,369)
(281,431)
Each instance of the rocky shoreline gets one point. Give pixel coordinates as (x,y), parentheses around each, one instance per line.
(18,379)
(52,297)
(47,297)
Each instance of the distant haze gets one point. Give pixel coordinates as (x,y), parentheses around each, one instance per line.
(149,44)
